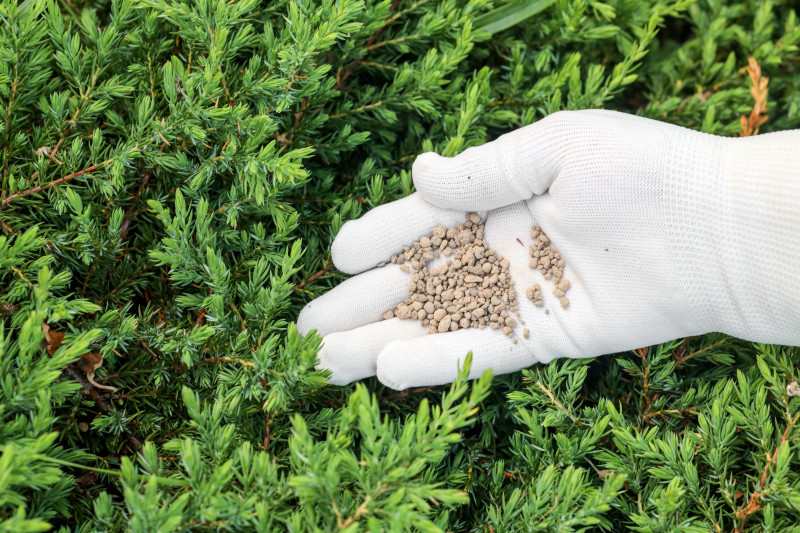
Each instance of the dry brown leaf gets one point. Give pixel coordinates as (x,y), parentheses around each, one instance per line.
(752,506)
(605,474)
(54,339)
(89,362)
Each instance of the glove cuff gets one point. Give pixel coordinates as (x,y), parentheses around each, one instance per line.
(733,209)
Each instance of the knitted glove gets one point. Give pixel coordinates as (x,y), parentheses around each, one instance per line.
(666,233)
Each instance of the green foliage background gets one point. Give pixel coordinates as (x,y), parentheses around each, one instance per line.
(172,177)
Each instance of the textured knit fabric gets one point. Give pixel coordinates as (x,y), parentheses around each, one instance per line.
(666,233)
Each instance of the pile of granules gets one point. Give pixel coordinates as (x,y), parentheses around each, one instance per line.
(472,289)
(549,262)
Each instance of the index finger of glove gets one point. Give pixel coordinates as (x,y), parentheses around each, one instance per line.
(384,231)
(512,168)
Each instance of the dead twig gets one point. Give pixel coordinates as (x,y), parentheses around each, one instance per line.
(759,92)
(7,228)
(680,360)
(132,211)
(8,199)
(314,277)
(362,510)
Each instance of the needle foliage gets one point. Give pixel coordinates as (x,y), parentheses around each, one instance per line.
(172,177)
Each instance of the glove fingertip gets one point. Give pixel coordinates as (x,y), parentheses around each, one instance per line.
(344,249)
(305,320)
(385,372)
(427,172)
(474,180)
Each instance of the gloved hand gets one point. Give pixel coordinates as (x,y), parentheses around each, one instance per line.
(666,233)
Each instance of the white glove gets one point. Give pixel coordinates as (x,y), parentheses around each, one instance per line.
(666,233)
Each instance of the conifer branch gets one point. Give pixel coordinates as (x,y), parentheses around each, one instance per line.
(356,110)
(191,264)
(392,41)
(361,511)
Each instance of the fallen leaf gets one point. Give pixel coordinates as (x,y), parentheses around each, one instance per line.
(90,362)
(54,339)
(605,474)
